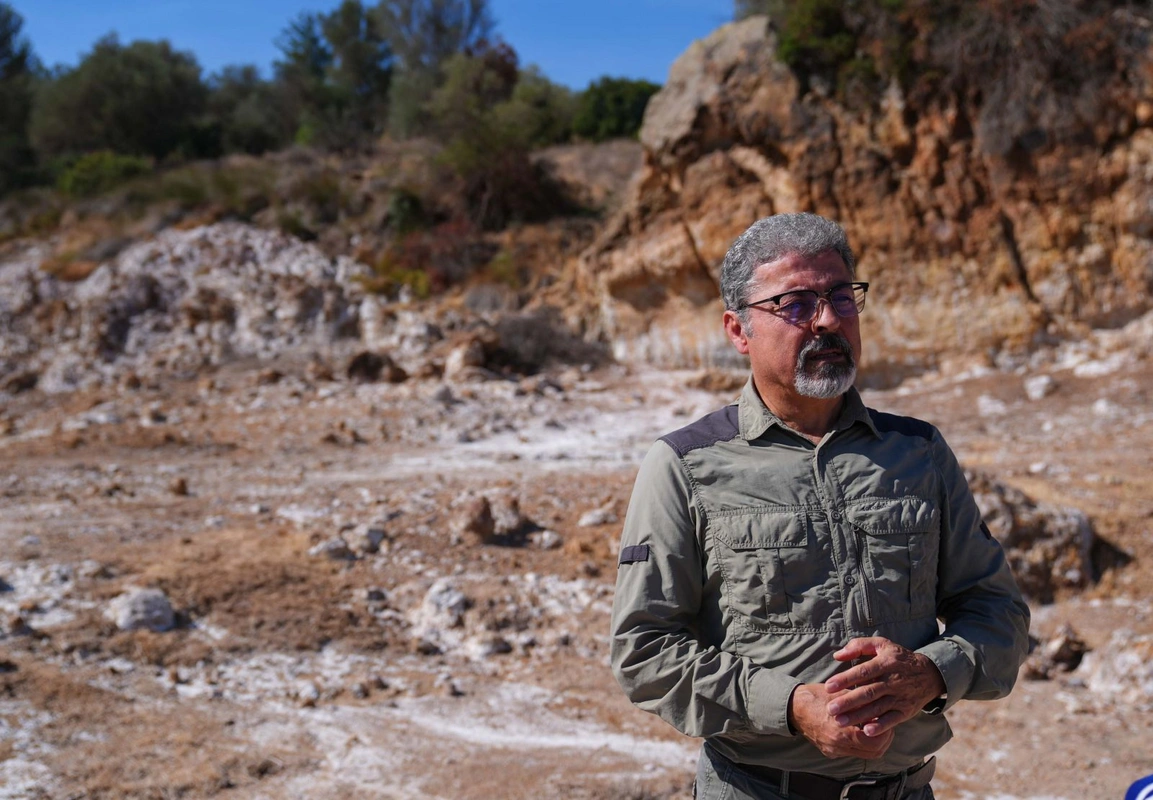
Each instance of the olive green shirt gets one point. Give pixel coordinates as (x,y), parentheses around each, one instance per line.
(750,555)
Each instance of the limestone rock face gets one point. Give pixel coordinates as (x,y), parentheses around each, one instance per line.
(969,253)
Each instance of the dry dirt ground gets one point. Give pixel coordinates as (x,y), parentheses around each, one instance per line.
(440,667)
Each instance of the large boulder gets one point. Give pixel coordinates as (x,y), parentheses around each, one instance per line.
(971,251)
(1048,546)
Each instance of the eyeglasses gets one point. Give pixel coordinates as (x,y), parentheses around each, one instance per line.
(800,306)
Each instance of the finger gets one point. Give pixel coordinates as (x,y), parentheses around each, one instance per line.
(862,715)
(855,706)
(860,648)
(876,670)
(883,724)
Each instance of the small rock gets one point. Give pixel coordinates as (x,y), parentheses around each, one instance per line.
(598,516)
(491,646)
(1104,407)
(371,537)
(18,626)
(142,608)
(547,540)
(464,359)
(370,367)
(268,376)
(335,549)
(178,486)
(444,396)
(1039,386)
(445,603)
(308,693)
(214,522)
(1066,649)
(990,406)
(425,646)
(506,514)
(375,595)
(474,518)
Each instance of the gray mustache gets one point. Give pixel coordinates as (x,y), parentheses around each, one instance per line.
(827,341)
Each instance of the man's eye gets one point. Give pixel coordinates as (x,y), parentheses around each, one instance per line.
(795,306)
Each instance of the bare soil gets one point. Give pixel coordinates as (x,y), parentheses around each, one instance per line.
(291,674)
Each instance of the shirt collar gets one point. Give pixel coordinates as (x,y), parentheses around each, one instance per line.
(755,418)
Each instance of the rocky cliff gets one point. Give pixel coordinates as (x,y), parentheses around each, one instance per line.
(975,250)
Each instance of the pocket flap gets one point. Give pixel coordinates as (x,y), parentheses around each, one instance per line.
(894,515)
(754,530)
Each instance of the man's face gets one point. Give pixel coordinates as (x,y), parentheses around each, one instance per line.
(795,361)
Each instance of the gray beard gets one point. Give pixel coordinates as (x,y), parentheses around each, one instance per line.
(825,381)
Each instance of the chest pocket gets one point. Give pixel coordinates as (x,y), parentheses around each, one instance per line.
(770,569)
(899,540)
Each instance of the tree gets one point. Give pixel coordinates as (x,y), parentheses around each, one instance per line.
(360,71)
(546,109)
(336,70)
(612,107)
(488,132)
(424,35)
(248,113)
(17,68)
(145,99)
(302,72)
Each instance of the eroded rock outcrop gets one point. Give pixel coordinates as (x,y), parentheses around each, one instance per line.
(972,249)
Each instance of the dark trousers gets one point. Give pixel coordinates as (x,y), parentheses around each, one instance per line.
(721,779)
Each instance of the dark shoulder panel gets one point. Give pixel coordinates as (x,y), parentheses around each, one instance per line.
(719,426)
(907,426)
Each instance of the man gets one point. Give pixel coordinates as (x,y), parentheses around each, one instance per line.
(786,559)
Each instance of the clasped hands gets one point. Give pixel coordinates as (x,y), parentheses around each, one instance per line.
(854,713)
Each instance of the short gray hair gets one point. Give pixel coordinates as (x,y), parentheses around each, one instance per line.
(772,238)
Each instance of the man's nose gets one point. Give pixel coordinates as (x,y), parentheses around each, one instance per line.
(825,318)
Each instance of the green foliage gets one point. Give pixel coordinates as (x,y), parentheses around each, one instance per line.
(17,65)
(406,211)
(143,99)
(96,173)
(424,34)
(336,71)
(249,114)
(388,278)
(487,140)
(544,110)
(612,108)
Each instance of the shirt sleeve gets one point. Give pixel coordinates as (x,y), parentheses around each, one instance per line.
(986,633)
(658,655)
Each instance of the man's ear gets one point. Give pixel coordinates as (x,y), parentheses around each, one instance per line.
(736,331)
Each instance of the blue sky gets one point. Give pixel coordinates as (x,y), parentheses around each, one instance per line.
(572,41)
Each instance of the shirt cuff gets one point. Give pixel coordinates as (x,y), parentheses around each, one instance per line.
(768,701)
(955,667)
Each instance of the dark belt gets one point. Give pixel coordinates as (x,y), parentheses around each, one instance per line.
(863,787)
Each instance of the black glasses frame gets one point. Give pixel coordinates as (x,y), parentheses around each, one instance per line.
(857,286)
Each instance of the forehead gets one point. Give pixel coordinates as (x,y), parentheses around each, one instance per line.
(795,271)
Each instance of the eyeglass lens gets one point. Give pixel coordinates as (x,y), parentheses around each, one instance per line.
(801,307)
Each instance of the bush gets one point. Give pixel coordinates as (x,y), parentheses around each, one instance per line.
(532,340)
(486,141)
(143,99)
(612,108)
(96,173)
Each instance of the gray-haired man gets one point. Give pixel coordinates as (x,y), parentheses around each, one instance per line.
(785,560)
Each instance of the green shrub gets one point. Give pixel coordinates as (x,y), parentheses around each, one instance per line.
(406,211)
(612,108)
(98,172)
